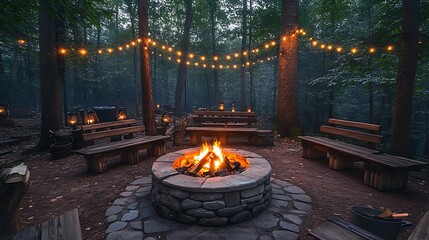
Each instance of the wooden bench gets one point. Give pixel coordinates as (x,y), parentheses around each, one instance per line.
(383,172)
(221,133)
(63,227)
(79,141)
(126,146)
(223,119)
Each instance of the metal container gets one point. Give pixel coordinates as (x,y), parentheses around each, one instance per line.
(366,218)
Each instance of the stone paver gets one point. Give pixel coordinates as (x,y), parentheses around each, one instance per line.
(133,216)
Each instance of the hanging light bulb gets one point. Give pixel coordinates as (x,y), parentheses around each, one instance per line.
(314,43)
(228,57)
(170,49)
(339,49)
(83,51)
(62,51)
(99,51)
(372,50)
(203,58)
(215,58)
(390,48)
(354,50)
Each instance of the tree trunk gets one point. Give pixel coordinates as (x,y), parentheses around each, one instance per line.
(181,76)
(251,68)
(135,62)
(217,96)
(146,81)
(405,81)
(51,83)
(243,66)
(287,98)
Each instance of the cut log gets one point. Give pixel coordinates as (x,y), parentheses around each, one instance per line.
(212,167)
(195,169)
(13,185)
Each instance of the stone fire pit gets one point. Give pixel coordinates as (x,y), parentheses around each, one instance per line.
(211,201)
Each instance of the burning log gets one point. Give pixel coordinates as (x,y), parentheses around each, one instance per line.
(195,169)
(212,167)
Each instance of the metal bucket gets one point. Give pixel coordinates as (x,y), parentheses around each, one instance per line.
(366,218)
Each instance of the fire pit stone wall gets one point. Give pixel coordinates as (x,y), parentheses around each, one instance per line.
(212,201)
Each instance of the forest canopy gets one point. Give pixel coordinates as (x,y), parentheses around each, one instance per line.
(348,57)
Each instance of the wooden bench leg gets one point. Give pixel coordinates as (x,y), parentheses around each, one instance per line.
(157,150)
(223,138)
(130,157)
(309,152)
(96,164)
(195,138)
(385,179)
(339,162)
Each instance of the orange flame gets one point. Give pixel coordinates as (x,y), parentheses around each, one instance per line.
(215,149)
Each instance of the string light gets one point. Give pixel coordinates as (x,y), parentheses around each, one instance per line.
(120,48)
(354,50)
(99,51)
(203,58)
(62,51)
(83,51)
(390,48)
(21,41)
(372,50)
(110,50)
(339,49)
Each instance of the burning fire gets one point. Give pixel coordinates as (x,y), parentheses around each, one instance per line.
(210,161)
(217,158)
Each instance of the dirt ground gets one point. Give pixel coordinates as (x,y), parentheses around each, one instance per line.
(61,185)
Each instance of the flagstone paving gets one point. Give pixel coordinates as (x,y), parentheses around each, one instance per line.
(132,217)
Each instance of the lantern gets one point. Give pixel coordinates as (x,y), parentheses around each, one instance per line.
(72,120)
(221,106)
(3,112)
(249,109)
(165,118)
(233,107)
(91,117)
(121,115)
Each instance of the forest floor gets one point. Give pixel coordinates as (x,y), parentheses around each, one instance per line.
(61,185)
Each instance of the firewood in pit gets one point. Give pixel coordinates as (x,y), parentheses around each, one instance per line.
(195,169)
(212,167)
(229,165)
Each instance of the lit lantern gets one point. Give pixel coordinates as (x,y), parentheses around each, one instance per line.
(249,109)
(121,115)
(3,112)
(165,118)
(221,106)
(91,117)
(72,120)
(233,107)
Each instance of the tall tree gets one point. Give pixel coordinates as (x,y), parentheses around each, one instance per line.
(146,79)
(214,50)
(130,7)
(181,75)
(51,82)
(287,97)
(243,89)
(405,80)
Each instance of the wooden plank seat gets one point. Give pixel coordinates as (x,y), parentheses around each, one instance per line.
(128,149)
(63,227)
(223,118)
(382,171)
(81,139)
(122,143)
(220,133)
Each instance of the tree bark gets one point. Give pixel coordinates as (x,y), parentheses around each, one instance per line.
(287,98)
(146,80)
(405,81)
(217,96)
(135,62)
(181,76)
(243,66)
(51,83)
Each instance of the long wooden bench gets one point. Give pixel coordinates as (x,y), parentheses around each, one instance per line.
(222,134)
(79,141)
(382,171)
(125,145)
(223,119)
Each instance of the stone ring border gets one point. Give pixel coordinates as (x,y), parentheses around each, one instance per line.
(259,171)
